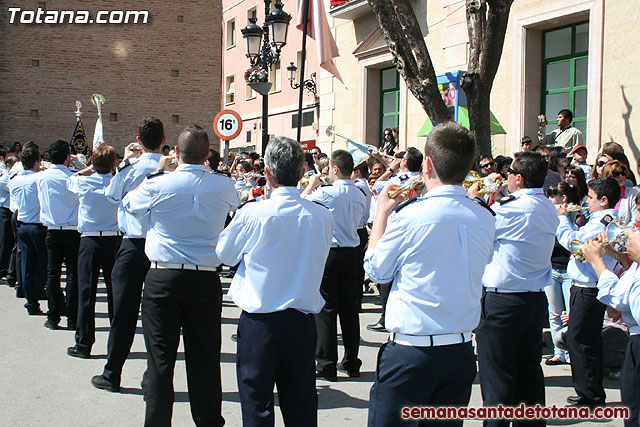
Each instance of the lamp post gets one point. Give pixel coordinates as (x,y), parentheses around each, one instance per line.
(308,84)
(264,51)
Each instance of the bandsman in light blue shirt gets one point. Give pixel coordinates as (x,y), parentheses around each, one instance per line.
(340,288)
(278,301)
(434,250)
(186,211)
(100,239)
(586,312)
(6,232)
(514,306)
(31,233)
(59,213)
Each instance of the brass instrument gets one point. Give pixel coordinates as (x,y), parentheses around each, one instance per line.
(174,158)
(44,165)
(304,181)
(78,161)
(616,241)
(486,186)
(417,185)
(245,193)
(575,208)
(331,130)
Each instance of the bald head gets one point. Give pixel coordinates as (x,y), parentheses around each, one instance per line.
(193,145)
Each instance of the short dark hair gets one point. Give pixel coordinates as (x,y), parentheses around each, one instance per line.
(254,156)
(532,166)
(525,140)
(29,156)
(284,158)
(308,157)
(563,189)
(214,158)
(193,144)
(59,151)
(151,132)
(414,159)
(246,166)
(567,114)
(452,149)
(606,187)
(363,168)
(103,158)
(343,160)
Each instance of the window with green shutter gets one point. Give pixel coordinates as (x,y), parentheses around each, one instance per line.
(389,100)
(565,72)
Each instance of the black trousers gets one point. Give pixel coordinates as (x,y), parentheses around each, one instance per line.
(340,291)
(190,301)
(509,339)
(131,267)
(630,380)
(277,349)
(7,240)
(584,339)
(362,247)
(95,253)
(33,261)
(420,376)
(385,290)
(13,274)
(62,245)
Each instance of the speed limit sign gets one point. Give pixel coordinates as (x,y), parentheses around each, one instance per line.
(227,124)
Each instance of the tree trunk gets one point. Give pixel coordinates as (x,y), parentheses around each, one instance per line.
(404,37)
(487,25)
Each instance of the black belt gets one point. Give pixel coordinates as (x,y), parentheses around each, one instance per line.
(502,291)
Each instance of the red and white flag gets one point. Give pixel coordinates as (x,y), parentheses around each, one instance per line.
(318,29)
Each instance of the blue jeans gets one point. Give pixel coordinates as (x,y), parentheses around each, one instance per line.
(558,297)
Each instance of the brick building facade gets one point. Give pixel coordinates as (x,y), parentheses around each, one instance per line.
(169,67)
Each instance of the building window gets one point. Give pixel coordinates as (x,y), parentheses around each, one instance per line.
(389,99)
(252,13)
(231,33)
(35,63)
(275,77)
(307,119)
(248,136)
(175,118)
(180,18)
(565,73)
(113,117)
(175,73)
(229,89)
(249,93)
(34,114)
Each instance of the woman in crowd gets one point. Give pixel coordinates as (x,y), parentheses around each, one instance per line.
(601,160)
(485,165)
(619,172)
(559,160)
(389,143)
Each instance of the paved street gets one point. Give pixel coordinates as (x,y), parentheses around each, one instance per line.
(42,386)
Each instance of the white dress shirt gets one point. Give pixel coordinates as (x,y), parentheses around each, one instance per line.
(525,235)
(347,205)
(616,292)
(186,211)
(363,185)
(582,274)
(58,205)
(24,193)
(95,212)
(435,250)
(282,244)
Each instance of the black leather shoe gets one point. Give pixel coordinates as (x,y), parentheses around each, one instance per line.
(229,275)
(353,374)
(377,327)
(328,377)
(101,382)
(50,324)
(572,400)
(234,337)
(74,352)
(35,311)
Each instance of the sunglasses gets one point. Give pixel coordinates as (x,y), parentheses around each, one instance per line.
(509,170)
(487,165)
(571,177)
(616,174)
(601,163)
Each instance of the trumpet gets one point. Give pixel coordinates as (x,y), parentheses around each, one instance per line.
(575,208)
(174,158)
(246,192)
(416,185)
(616,241)
(331,130)
(486,186)
(78,161)
(304,181)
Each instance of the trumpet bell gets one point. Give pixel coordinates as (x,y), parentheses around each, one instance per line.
(330,130)
(615,236)
(416,185)
(575,247)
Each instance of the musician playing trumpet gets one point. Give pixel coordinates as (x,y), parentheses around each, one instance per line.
(585,322)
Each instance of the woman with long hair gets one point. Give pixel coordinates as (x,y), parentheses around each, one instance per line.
(389,143)
(618,171)
(559,160)
(601,160)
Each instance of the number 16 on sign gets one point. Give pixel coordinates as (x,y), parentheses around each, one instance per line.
(227,125)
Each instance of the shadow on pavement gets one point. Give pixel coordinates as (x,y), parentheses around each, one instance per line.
(329,398)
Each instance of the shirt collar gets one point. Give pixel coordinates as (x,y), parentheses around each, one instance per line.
(344,182)
(447,190)
(150,156)
(56,166)
(190,167)
(600,214)
(529,191)
(285,192)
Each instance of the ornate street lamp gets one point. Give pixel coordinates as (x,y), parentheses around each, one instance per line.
(272,36)
(308,84)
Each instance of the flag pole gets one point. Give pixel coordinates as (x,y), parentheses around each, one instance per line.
(305,24)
